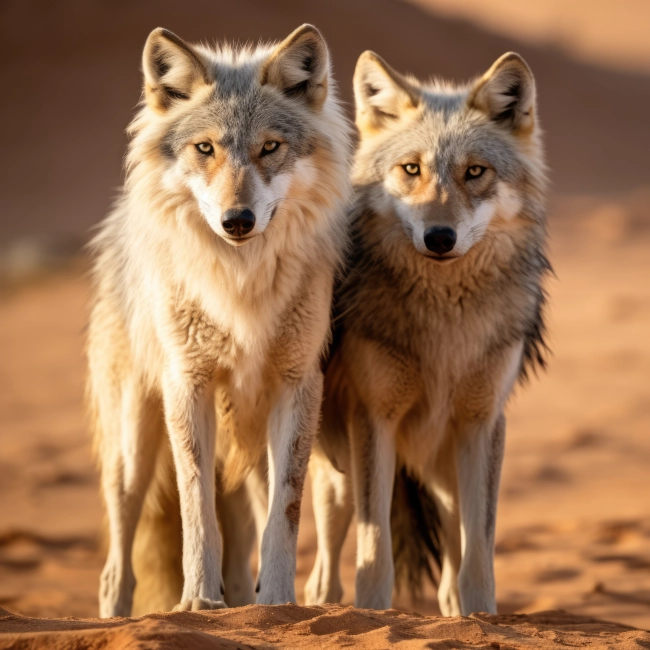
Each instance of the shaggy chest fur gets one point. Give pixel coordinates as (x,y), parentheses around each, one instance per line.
(273,345)
(430,346)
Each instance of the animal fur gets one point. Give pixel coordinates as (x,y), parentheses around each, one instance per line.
(201,326)
(440,313)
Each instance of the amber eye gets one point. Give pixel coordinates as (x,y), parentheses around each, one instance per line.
(412,169)
(269,147)
(205,148)
(475,171)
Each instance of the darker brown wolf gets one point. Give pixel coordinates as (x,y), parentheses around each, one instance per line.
(440,314)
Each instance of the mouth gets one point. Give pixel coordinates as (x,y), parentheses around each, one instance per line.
(238,241)
(442,259)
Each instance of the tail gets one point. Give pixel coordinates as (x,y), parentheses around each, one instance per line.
(415,528)
(158,546)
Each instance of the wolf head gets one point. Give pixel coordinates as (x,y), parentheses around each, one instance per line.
(451,163)
(233,131)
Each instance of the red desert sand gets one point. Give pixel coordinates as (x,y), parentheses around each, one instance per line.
(332,626)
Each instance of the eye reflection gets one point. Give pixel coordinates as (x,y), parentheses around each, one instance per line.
(269,147)
(475,171)
(205,148)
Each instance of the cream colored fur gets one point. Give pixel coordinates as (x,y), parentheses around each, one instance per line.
(207,349)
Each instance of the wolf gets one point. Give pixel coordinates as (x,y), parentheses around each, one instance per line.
(213,281)
(440,313)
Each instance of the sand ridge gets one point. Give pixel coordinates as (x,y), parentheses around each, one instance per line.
(330,626)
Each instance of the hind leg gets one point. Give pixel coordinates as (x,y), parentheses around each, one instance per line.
(128,454)
(333,508)
(448,597)
(256,485)
(444,488)
(238,533)
(242,516)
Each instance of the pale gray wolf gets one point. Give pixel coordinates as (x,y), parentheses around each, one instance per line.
(213,283)
(439,315)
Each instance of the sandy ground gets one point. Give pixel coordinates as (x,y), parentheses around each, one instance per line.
(290,626)
(574,515)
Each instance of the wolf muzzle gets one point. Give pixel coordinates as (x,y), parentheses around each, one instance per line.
(238,222)
(440,239)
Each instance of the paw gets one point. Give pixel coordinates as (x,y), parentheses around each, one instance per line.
(115,592)
(198,604)
(275,587)
(275,597)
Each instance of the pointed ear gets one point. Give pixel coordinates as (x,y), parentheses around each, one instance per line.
(381,94)
(172,70)
(299,67)
(506,92)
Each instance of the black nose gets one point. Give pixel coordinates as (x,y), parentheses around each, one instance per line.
(238,222)
(440,239)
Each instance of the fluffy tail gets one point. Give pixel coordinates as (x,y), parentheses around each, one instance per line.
(158,546)
(415,527)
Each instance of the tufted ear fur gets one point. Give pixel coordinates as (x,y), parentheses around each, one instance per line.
(299,67)
(506,92)
(381,94)
(172,70)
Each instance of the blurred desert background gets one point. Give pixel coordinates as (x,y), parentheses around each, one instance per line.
(574,516)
